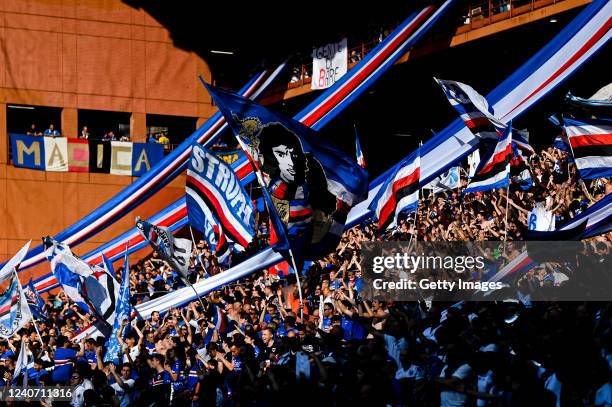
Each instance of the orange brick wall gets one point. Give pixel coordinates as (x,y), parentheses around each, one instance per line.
(85,54)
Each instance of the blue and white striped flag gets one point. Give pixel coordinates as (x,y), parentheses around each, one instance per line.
(91,287)
(494,169)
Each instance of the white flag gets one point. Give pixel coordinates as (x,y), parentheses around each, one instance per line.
(13,263)
(22,363)
(473,161)
(329,63)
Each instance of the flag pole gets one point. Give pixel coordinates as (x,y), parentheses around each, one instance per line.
(290,251)
(506,219)
(416,212)
(21,293)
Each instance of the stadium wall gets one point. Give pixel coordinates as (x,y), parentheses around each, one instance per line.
(85,54)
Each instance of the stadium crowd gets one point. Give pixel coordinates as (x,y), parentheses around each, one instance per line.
(248,343)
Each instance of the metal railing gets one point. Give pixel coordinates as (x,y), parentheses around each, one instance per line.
(477,14)
(481,13)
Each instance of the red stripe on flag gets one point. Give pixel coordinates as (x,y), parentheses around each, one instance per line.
(244,170)
(120,248)
(477,122)
(301,212)
(589,140)
(496,159)
(596,37)
(389,206)
(225,222)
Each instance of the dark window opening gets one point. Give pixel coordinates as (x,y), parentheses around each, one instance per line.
(21,118)
(175,128)
(102,123)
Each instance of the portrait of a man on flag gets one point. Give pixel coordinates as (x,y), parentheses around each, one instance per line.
(312,183)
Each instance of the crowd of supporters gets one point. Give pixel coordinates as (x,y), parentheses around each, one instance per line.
(252,343)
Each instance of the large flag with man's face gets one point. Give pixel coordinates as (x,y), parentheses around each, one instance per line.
(312,183)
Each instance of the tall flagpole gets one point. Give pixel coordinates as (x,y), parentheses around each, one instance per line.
(416,212)
(506,219)
(290,251)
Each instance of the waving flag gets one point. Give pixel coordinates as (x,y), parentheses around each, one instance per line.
(574,233)
(14,309)
(598,216)
(591,142)
(519,265)
(91,287)
(14,262)
(473,108)
(494,170)
(36,303)
(113,347)
(400,193)
(358,152)
(215,195)
(312,183)
(446,182)
(108,265)
(177,252)
(520,138)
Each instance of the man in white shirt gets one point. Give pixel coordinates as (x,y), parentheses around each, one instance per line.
(124,384)
(82,385)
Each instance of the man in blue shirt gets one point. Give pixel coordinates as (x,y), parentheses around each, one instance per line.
(5,352)
(160,383)
(90,353)
(64,357)
(51,131)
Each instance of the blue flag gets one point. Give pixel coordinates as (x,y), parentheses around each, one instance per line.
(312,183)
(113,347)
(36,303)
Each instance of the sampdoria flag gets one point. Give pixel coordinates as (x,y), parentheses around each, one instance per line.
(113,347)
(521,264)
(358,152)
(446,182)
(494,169)
(399,193)
(574,233)
(313,184)
(14,309)
(91,287)
(215,195)
(473,108)
(520,138)
(591,142)
(177,252)
(36,303)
